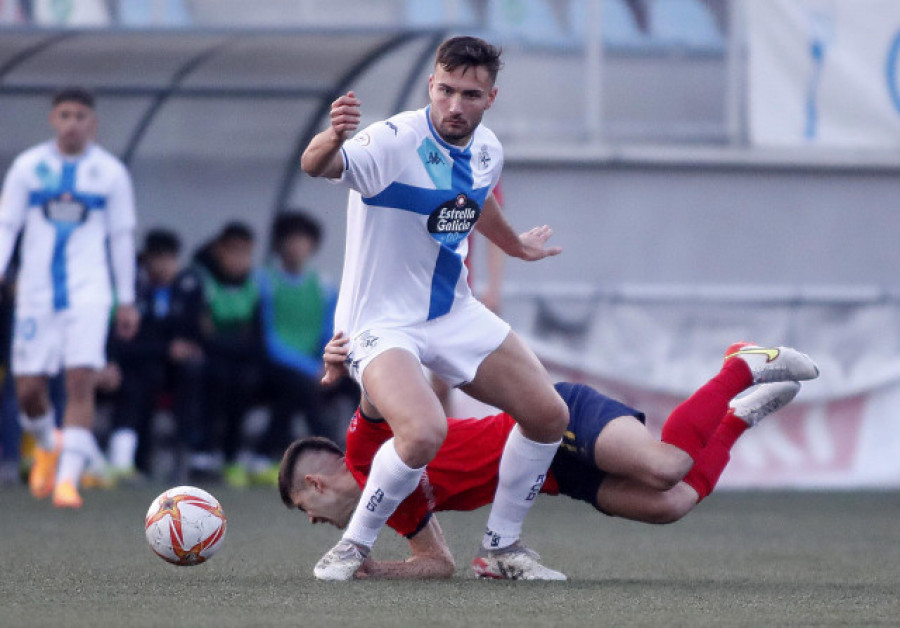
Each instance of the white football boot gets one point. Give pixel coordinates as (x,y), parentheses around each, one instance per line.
(341,561)
(774,364)
(763,401)
(515,562)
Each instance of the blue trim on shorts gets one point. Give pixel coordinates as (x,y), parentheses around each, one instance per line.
(573,465)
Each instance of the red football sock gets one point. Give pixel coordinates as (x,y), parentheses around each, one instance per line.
(711,462)
(692,423)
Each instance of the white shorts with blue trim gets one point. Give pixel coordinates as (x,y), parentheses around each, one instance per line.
(452,346)
(45,340)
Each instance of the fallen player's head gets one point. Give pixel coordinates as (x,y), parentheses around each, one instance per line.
(314,479)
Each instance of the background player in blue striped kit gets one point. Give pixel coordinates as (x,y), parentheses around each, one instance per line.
(69,196)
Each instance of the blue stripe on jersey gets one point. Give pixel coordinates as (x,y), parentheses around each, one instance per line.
(58,270)
(410,198)
(449,263)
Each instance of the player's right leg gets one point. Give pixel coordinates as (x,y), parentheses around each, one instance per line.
(394,381)
(37,419)
(36,354)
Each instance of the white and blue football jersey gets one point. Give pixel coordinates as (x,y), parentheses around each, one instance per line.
(67,207)
(414,198)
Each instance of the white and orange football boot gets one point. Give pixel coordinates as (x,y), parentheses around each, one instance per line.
(773,364)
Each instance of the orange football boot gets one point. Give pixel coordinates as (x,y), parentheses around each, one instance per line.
(43,472)
(65,495)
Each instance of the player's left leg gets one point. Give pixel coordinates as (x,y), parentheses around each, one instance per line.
(512,378)
(625,448)
(691,424)
(84,343)
(79,447)
(744,413)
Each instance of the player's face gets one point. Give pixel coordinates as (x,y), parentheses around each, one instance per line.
(75,125)
(295,250)
(162,268)
(235,257)
(321,507)
(459,100)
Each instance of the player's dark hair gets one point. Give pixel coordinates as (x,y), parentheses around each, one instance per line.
(292,456)
(81,95)
(161,242)
(292,223)
(467,52)
(236,230)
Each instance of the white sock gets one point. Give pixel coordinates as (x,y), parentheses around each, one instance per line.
(43,428)
(390,482)
(78,446)
(122,446)
(523,469)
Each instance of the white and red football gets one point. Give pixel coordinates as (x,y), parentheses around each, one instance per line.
(185,526)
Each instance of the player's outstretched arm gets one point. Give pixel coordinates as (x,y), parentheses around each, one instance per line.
(431,558)
(529,246)
(322,158)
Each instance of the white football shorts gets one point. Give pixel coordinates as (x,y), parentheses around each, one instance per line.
(44,341)
(452,346)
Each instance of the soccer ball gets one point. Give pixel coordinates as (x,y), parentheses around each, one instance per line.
(185,526)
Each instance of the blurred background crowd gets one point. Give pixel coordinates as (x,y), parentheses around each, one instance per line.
(224,371)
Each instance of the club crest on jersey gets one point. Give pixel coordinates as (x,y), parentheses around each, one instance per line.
(484,157)
(452,221)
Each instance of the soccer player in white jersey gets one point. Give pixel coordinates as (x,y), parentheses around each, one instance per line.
(69,197)
(419,181)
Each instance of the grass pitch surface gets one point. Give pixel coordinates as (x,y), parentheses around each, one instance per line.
(752,559)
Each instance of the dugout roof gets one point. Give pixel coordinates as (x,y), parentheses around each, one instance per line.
(201,97)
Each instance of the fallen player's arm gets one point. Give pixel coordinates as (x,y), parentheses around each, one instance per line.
(431,558)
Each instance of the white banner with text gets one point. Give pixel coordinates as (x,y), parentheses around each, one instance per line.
(824,72)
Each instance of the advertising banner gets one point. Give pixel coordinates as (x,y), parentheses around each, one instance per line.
(824,72)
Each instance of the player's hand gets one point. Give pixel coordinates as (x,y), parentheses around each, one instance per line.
(345,114)
(335,356)
(181,350)
(366,569)
(533,244)
(109,378)
(127,321)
